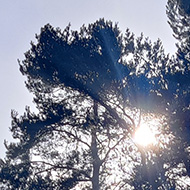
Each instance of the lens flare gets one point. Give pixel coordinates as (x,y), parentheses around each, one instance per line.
(144,136)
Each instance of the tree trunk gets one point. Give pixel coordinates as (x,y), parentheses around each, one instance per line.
(94,149)
(96,163)
(95,178)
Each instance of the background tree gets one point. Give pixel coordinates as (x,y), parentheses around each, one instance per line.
(175,98)
(179,20)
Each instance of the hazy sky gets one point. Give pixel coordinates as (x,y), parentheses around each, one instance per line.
(20,20)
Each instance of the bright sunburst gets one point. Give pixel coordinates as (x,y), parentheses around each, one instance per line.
(144,136)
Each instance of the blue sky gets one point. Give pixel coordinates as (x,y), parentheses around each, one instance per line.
(20,20)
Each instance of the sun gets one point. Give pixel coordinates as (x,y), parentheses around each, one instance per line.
(144,136)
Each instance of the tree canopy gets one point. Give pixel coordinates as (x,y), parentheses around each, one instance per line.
(93,89)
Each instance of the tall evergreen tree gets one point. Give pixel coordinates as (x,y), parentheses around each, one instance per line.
(91,89)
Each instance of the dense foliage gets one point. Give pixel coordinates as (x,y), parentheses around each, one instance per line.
(92,88)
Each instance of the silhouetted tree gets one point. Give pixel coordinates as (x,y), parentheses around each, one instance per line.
(77,82)
(91,88)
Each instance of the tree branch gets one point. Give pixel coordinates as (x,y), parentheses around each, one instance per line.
(53,166)
(74,136)
(112,148)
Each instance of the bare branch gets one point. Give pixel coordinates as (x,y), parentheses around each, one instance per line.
(54,167)
(74,136)
(112,148)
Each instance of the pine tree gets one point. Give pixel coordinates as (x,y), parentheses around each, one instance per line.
(91,89)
